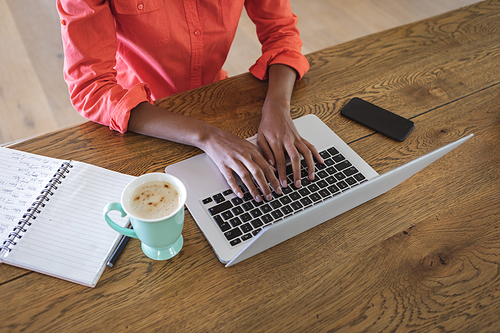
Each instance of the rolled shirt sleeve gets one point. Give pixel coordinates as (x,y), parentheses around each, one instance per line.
(90,46)
(277,32)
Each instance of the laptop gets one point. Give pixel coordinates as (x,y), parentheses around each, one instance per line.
(238,229)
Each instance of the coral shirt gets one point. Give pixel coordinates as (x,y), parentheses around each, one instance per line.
(119,53)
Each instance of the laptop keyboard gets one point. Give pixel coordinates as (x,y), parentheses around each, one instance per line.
(240,219)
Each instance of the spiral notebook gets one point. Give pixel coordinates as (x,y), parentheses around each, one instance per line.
(51,215)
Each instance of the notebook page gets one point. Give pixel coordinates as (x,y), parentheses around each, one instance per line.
(22,178)
(70,238)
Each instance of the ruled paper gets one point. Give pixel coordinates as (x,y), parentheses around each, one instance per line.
(22,178)
(70,238)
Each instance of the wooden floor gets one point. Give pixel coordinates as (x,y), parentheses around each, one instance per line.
(34,98)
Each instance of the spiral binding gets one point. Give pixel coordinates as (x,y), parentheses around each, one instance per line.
(36,206)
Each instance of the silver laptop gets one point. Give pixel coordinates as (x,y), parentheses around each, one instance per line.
(240,228)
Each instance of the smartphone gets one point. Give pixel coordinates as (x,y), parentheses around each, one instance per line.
(378,119)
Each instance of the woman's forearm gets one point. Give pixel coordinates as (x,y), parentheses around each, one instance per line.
(278,136)
(153,121)
(281,82)
(229,152)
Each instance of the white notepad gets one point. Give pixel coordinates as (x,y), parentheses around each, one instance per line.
(51,215)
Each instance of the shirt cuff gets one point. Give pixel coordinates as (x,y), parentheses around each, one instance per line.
(282,56)
(121,113)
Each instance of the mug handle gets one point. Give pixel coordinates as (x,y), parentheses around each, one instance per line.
(124,231)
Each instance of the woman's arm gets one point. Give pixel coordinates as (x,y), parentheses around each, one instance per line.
(90,44)
(229,152)
(277,133)
(282,63)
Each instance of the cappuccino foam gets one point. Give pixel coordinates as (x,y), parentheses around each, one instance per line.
(155,199)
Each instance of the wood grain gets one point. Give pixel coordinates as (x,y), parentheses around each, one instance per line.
(423,257)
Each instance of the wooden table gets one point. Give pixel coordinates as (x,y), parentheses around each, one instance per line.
(423,257)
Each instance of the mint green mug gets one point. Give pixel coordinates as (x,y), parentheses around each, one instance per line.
(161,237)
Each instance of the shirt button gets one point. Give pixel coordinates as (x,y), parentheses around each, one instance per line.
(196,32)
(140,6)
(63,22)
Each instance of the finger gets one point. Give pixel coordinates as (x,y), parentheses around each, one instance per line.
(310,154)
(280,159)
(251,174)
(270,175)
(259,170)
(273,180)
(309,159)
(247,179)
(265,149)
(314,151)
(231,181)
(294,155)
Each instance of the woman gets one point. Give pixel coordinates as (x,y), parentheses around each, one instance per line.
(120,55)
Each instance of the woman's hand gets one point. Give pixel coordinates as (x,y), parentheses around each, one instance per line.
(278,135)
(229,152)
(234,154)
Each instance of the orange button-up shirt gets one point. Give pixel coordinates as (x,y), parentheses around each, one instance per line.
(119,53)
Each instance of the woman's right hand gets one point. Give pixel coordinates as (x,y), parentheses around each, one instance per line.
(231,154)
(234,155)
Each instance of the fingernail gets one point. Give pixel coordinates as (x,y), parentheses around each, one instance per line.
(283,183)
(270,162)
(297,183)
(239,194)
(258,198)
(278,191)
(269,197)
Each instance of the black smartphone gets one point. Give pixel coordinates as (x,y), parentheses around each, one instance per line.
(378,119)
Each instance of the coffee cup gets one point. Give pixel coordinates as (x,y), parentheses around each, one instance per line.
(154,203)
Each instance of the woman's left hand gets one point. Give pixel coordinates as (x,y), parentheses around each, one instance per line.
(278,137)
